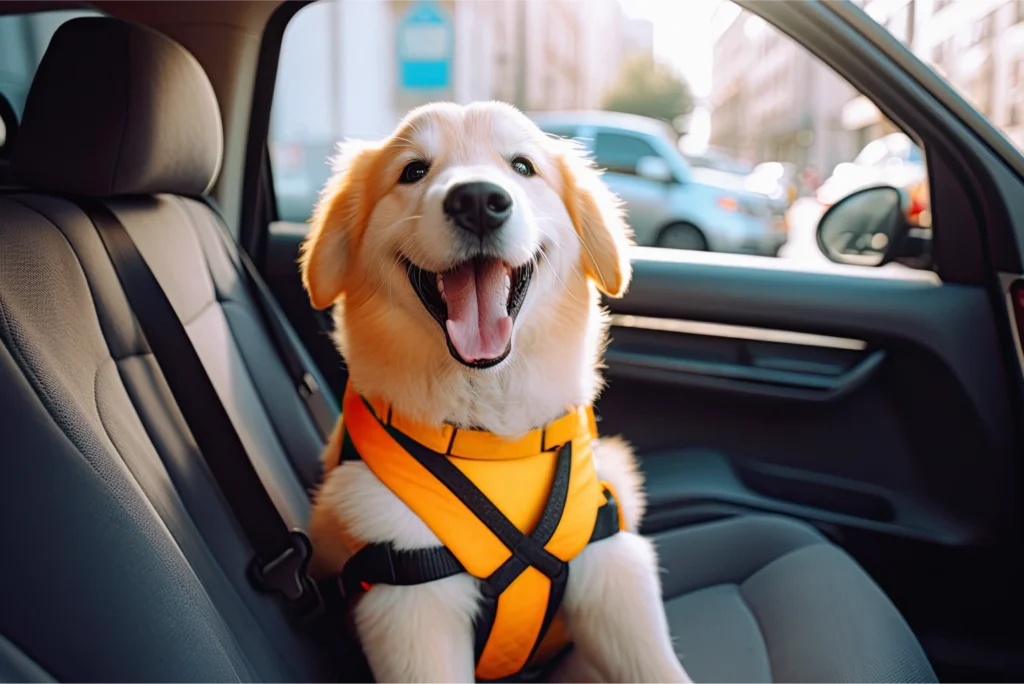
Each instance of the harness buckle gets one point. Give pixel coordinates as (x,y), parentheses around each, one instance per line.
(288,576)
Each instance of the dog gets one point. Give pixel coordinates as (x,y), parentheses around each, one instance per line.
(464,257)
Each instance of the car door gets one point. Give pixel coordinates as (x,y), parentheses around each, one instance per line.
(881,405)
(647,201)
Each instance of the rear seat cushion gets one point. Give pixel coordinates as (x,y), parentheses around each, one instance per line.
(768,599)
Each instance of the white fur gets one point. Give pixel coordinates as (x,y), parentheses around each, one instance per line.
(396,352)
(614,612)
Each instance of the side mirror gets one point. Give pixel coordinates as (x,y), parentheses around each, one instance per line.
(654,168)
(870,228)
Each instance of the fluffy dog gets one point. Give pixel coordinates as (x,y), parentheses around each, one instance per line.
(464,256)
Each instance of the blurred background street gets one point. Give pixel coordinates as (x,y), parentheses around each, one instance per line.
(738,139)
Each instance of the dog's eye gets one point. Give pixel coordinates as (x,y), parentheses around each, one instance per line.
(414,172)
(523,166)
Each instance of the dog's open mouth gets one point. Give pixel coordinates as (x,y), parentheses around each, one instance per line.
(476,304)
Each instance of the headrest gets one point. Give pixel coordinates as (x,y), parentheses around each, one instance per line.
(118,109)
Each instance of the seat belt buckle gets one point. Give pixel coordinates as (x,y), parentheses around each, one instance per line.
(313,398)
(288,575)
(308,387)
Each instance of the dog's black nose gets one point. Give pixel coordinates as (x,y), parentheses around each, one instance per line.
(478,207)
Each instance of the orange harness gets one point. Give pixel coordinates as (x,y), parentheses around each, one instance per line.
(512,513)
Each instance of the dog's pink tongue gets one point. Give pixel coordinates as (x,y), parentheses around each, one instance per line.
(478,322)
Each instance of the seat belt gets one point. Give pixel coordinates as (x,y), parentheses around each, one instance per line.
(281,555)
(323,412)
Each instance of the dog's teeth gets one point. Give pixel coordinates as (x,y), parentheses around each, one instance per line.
(508,281)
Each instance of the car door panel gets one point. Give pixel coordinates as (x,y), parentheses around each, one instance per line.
(856,404)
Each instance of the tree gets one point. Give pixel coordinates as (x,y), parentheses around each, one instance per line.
(649,88)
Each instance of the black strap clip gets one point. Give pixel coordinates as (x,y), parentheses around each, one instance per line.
(288,575)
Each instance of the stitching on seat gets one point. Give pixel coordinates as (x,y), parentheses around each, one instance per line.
(12,345)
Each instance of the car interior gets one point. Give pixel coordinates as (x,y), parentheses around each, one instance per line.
(832,461)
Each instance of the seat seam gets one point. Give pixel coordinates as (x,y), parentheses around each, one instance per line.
(14,347)
(174,539)
(114,171)
(246,308)
(818,542)
(749,606)
(195,317)
(218,296)
(760,628)
(782,557)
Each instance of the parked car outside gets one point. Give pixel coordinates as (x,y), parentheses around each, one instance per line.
(715,158)
(669,202)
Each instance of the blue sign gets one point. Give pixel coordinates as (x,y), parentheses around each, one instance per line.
(425,48)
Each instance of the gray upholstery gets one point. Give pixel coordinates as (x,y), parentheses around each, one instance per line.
(136,116)
(178,557)
(122,561)
(762,599)
(15,666)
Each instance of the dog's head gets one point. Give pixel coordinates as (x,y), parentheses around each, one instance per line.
(459,234)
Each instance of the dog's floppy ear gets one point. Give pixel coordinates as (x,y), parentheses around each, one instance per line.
(338,222)
(597,215)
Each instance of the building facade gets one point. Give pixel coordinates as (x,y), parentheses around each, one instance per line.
(772,100)
(341,74)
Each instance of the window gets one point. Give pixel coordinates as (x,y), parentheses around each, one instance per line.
(758,98)
(941,53)
(620,153)
(983,30)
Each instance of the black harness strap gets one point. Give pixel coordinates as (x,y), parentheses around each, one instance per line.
(607,522)
(383,564)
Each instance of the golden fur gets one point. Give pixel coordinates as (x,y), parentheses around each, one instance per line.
(566,219)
